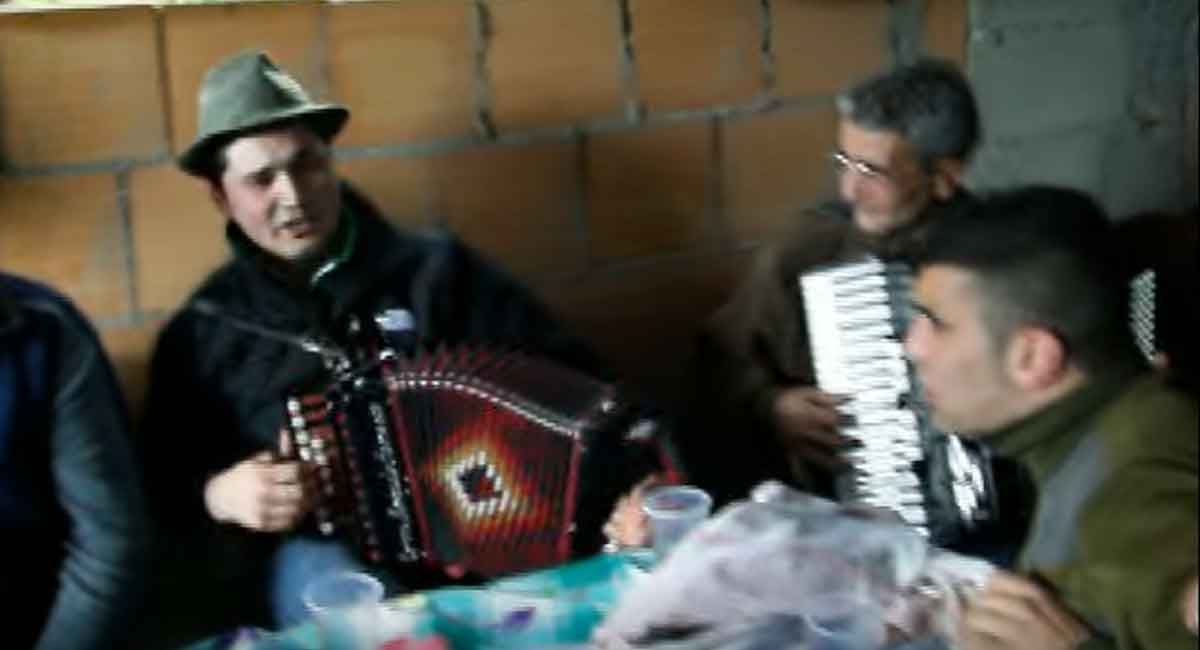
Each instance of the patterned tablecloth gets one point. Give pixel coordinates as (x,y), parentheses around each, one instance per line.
(554,609)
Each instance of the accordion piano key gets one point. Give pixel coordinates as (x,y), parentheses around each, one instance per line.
(891,416)
(880,444)
(875,450)
(914,516)
(869,316)
(874,447)
(910,507)
(872,370)
(855,385)
(866,271)
(865,332)
(888,450)
(873,298)
(871,399)
(895,479)
(892,497)
(878,349)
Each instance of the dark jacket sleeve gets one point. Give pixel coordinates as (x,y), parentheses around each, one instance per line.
(756,343)
(753,346)
(181,428)
(103,575)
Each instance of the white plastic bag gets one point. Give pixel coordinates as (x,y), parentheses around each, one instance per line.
(780,555)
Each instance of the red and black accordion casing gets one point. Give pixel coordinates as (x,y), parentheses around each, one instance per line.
(493,461)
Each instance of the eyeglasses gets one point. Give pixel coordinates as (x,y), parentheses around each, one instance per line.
(842,163)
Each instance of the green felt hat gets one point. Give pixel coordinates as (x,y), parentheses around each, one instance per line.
(247,93)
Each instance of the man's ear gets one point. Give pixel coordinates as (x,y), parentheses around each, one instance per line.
(947,177)
(1037,358)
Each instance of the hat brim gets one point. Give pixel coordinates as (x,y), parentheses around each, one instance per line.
(326,120)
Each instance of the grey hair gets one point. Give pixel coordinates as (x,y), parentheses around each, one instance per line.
(928,102)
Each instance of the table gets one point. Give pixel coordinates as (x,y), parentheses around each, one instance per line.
(565,604)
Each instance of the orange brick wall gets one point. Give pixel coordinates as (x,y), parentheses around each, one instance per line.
(622,156)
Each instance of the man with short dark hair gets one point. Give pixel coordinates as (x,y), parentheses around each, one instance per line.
(905,137)
(72,516)
(310,256)
(1022,340)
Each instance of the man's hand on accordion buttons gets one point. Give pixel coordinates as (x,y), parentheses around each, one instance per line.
(807,420)
(267,492)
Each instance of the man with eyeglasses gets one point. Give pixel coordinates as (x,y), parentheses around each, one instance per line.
(905,137)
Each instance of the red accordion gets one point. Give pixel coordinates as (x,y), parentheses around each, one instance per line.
(493,461)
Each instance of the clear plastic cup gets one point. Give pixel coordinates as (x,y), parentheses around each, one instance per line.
(345,607)
(673,511)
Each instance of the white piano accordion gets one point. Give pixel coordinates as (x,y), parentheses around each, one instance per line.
(856,314)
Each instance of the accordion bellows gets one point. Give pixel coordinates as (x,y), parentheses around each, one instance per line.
(494,461)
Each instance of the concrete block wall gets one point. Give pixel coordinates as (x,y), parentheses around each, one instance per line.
(624,157)
(1095,94)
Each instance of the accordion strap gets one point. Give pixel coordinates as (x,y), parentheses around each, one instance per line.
(306,343)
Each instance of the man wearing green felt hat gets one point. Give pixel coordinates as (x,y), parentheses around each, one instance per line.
(310,258)
(263,145)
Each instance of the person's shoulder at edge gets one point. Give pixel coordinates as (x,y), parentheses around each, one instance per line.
(1147,501)
(811,237)
(813,227)
(17,291)
(17,287)
(1162,422)
(814,236)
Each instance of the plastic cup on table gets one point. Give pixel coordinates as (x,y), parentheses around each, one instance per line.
(673,511)
(345,606)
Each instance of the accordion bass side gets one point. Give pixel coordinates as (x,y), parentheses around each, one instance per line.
(493,461)
(942,485)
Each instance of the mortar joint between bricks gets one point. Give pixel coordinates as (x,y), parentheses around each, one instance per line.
(484,123)
(125,217)
(767,47)
(635,110)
